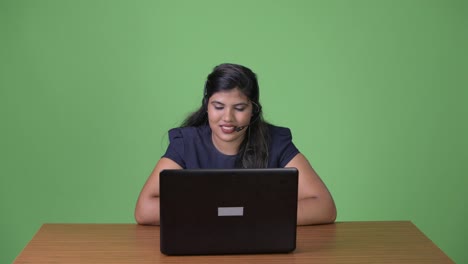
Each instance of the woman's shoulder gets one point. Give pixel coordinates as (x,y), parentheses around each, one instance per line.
(278,130)
(187,132)
(279,134)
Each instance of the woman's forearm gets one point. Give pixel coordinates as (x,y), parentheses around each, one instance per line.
(147,212)
(312,211)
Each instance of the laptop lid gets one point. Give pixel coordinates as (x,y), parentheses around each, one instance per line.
(228,211)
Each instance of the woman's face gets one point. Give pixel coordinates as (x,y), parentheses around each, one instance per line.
(228,111)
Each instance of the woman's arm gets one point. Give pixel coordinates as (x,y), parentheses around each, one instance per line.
(147,207)
(315,203)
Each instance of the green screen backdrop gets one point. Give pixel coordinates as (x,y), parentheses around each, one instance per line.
(375,93)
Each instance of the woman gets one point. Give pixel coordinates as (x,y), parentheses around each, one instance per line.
(228,131)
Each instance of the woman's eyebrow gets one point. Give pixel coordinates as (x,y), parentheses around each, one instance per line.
(241,104)
(216,102)
(238,104)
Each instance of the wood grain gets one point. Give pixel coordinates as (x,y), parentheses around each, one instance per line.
(345,242)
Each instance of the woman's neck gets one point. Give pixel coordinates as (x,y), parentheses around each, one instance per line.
(227,147)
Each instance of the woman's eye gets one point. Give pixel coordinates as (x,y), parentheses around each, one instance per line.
(218,107)
(240,109)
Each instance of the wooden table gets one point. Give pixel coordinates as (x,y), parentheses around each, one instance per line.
(344,242)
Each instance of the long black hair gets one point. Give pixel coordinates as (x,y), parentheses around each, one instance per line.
(253,151)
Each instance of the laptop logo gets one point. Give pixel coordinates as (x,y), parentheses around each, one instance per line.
(230,211)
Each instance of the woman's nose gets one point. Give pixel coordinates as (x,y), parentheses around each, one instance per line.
(227,117)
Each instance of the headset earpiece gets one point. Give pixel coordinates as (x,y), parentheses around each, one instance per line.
(256,108)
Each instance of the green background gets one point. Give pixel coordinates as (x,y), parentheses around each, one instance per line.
(375,93)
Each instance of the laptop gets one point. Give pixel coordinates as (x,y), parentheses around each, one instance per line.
(228,211)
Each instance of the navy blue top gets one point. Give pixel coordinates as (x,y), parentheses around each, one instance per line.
(193,148)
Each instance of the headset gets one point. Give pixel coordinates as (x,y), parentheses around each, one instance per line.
(255,114)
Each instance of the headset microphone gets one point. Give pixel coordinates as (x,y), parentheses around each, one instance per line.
(238,129)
